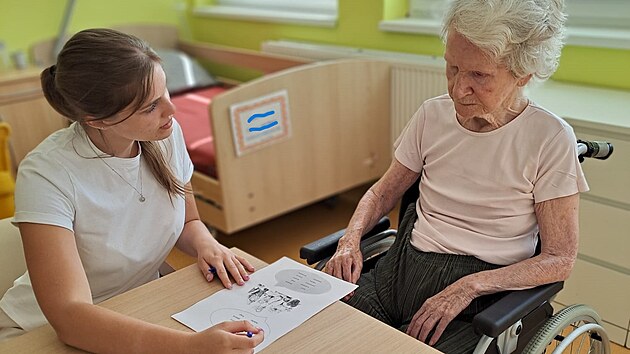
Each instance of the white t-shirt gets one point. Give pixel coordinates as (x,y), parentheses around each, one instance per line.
(121,241)
(477,190)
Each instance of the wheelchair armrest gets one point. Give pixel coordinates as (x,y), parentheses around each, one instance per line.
(513,307)
(326,246)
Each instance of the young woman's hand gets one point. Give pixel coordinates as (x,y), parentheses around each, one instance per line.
(228,337)
(214,259)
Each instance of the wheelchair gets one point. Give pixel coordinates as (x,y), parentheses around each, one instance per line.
(521,321)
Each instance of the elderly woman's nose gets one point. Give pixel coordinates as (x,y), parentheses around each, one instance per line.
(461,86)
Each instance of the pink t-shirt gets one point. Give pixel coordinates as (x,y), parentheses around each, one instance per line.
(477,190)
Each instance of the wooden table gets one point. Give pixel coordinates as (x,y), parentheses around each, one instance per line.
(337,329)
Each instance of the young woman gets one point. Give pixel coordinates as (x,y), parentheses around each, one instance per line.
(100,204)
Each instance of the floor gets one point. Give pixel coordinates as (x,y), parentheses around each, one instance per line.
(285,235)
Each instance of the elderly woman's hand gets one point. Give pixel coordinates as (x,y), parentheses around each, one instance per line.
(438,311)
(347,261)
(215,259)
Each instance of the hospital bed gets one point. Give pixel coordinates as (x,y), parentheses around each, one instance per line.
(337,112)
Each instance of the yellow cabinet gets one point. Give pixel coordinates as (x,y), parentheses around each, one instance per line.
(7,186)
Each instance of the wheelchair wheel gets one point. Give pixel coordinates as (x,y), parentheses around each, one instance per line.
(575,329)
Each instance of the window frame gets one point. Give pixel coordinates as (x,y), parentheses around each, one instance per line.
(592,23)
(320,13)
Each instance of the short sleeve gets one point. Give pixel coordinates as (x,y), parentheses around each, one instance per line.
(559,172)
(44,193)
(408,145)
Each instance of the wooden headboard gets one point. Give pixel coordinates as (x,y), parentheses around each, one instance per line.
(339,139)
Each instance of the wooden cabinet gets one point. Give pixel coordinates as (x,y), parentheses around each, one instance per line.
(23,106)
(601,277)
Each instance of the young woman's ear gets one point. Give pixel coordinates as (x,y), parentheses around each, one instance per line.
(100,124)
(96,124)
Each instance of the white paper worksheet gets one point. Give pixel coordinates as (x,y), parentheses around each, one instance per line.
(277,299)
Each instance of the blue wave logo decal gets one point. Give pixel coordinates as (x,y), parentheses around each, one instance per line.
(266,126)
(262,127)
(259,115)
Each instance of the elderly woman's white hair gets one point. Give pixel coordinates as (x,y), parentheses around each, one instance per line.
(525,35)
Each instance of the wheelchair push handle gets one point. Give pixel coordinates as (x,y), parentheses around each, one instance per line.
(595,149)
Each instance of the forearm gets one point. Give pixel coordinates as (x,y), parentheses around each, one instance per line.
(559,233)
(379,200)
(99,330)
(369,211)
(529,273)
(194,235)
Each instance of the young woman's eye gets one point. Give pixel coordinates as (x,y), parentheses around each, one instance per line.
(151,107)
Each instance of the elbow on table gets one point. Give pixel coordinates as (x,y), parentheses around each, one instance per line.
(64,325)
(65,334)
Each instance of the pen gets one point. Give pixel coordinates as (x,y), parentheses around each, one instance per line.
(212,270)
(248,334)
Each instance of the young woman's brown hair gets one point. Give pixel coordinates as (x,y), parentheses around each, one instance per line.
(101,72)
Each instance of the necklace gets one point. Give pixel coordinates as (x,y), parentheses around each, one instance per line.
(142,198)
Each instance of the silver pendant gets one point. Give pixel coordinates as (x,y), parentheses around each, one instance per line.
(142,199)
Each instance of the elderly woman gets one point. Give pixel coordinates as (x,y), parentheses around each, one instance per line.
(497,174)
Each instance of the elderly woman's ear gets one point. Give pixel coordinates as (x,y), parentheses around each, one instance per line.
(524,80)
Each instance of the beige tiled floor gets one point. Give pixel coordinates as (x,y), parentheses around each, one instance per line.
(285,235)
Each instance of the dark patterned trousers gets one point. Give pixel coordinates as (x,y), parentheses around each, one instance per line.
(402,280)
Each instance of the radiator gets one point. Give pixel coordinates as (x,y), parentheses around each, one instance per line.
(414,78)
(410,86)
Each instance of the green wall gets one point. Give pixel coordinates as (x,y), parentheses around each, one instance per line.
(25,22)
(358,26)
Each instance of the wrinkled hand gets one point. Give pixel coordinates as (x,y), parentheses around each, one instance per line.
(438,311)
(214,259)
(346,263)
(227,337)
